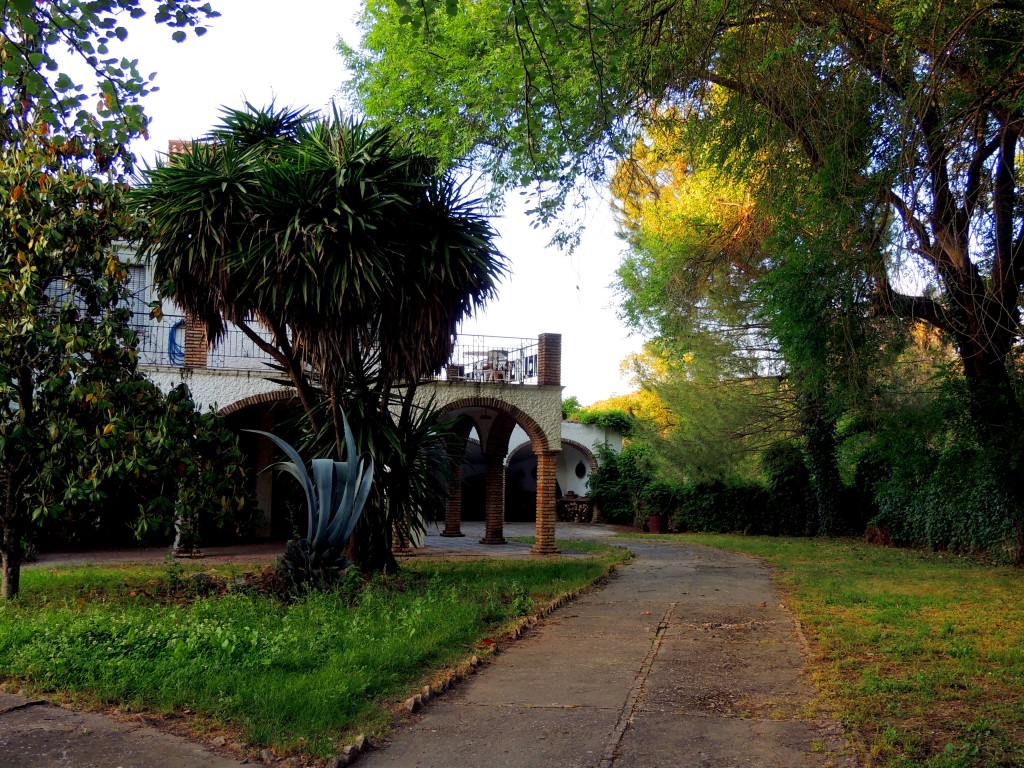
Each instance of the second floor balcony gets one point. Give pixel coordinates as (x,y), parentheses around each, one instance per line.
(170,343)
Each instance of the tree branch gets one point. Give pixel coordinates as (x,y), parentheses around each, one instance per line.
(888,302)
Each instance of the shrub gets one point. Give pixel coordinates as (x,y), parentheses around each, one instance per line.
(717,506)
(663,497)
(185,465)
(617,485)
(791,495)
(946,500)
(621,421)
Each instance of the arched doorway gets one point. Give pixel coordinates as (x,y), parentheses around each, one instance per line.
(493,421)
(575,464)
(266,411)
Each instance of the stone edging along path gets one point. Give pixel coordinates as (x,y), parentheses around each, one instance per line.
(685,658)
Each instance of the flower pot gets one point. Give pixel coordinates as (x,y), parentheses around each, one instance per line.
(656,524)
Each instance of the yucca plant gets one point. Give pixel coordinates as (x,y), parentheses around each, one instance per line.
(335,496)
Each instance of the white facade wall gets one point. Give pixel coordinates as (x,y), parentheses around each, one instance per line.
(584,434)
(212,387)
(543,404)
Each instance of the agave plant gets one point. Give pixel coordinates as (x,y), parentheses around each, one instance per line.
(335,496)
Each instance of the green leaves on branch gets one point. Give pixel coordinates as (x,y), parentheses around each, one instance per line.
(92,117)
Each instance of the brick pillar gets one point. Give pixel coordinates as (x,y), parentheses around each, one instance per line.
(549,358)
(400,543)
(453,507)
(195,343)
(494,500)
(547,462)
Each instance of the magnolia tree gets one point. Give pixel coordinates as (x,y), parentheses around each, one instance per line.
(67,359)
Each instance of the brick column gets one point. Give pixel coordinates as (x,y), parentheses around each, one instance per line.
(400,543)
(195,343)
(453,507)
(549,358)
(547,462)
(494,500)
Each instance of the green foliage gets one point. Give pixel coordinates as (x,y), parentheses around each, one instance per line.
(617,486)
(721,507)
(948,499)
(570,407)
(296,676)
(67,357)
(95,115)
(790,490)
(64,343)
(612,419)
(335,496)
(168,467)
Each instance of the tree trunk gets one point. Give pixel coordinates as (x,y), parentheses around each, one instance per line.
(994,406)
(820,431)
(10,557)
(11,553)
(371,542)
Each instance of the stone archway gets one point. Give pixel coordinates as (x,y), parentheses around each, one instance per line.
(575,464)
(259,412)
(274,396)
(494,420)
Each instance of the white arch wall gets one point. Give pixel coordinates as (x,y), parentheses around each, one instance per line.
(584,434)
(213,387)
(568,460)
(543,404)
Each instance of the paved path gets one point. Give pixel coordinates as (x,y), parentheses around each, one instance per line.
(685,658)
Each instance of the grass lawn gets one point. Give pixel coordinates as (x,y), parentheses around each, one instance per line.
(300,677)
(920,654)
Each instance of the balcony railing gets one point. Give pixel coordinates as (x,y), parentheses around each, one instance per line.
(492,360)
(482,359)
(161,342)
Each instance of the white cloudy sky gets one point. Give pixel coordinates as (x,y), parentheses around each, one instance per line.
(260,50)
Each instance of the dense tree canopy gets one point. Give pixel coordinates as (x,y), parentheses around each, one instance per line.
(879,145)
(909,114)
(67,360)
(44,47)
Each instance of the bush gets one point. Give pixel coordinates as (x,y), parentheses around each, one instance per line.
(617,486)
(618,420)
(791,495)
(720,507)
(186,465)
(663,497)
(946,500)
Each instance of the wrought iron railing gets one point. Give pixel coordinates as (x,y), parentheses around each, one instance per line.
(492,360)
(236,351)
(162,343)
(481,359)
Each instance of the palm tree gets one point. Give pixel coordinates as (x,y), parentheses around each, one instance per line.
(357,257)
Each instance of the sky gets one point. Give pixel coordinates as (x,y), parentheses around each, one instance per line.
(262,50)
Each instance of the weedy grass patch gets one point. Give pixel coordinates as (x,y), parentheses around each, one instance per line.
(568,546)
(921,654)
(296,676)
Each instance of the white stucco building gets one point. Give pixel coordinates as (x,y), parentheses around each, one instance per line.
(503,395)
